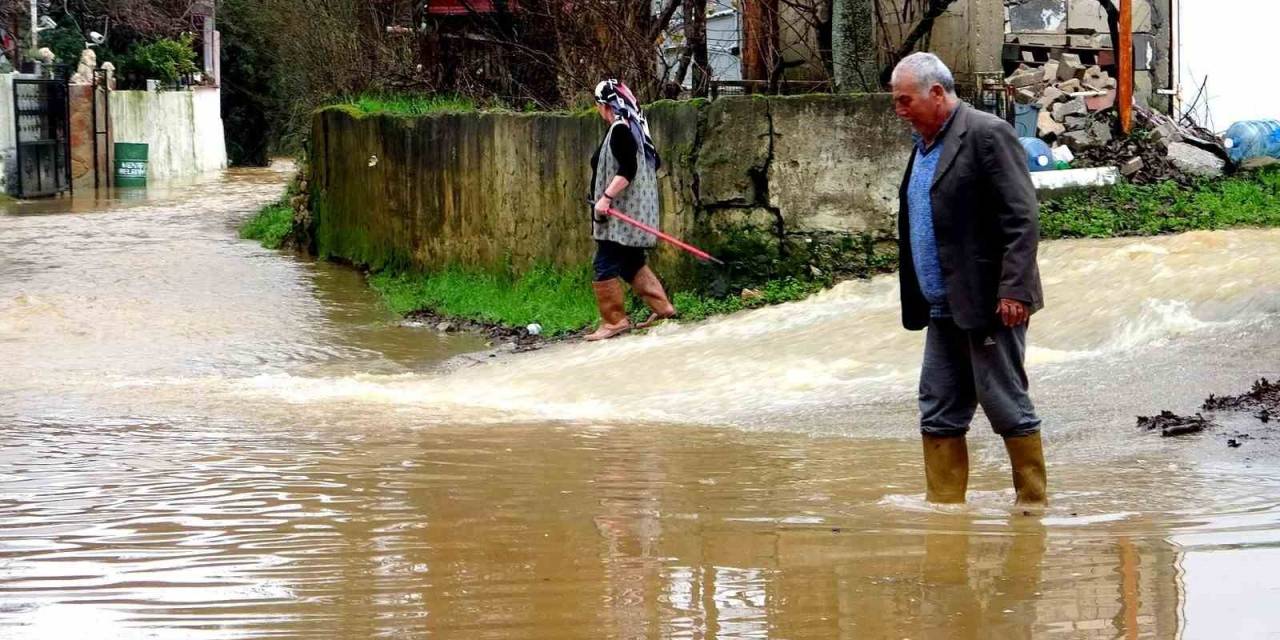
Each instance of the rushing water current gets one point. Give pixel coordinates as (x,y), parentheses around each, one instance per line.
(206,439)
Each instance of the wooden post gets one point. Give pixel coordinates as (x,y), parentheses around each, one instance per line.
(17,44)
(695,36)
(1124,58)
(759,38)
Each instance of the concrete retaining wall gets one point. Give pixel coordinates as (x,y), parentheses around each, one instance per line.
(787,184)
(8,136)
(183,129)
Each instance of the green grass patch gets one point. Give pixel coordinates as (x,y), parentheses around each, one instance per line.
(1248,199)
(269,226)
(694,307)
(561,301)
(409,104)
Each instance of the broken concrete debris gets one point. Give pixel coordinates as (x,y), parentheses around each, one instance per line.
(1070,67)
(1063,110)
(1076,103)
(1059,90)
(1047,127)
(1195,161)
(1131,166)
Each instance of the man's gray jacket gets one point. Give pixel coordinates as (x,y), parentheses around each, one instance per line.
(985,219)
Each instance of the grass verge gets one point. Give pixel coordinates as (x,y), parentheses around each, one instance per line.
(270,226)
(410,104)
(694,307)
(561,301)
(1247,199)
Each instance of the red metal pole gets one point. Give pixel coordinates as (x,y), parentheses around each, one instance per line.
(1124,58)
(672,239)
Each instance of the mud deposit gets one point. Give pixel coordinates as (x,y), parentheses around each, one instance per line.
(1256,408)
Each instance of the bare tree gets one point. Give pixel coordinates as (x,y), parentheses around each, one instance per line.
(760,35)
(1113,21)
(815,17)
(548,52)
(139,18)
(695,39)
(933,10)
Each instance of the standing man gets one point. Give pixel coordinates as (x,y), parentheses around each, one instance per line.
(968,230)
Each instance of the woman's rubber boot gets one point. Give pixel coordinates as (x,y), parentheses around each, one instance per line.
(611,301)
(946,469)
(1026,456)
(647,285)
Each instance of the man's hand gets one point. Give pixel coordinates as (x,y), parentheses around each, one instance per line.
(1012,312)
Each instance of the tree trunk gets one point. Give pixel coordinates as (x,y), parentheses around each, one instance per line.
(682,68)
(823,28)
(936,8)
(695,34)
(1113,23)
(759,38)
(663,19)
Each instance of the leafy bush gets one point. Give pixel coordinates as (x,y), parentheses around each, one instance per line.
(165,59)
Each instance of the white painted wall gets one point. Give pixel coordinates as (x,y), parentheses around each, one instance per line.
(182,128)
(8,133)
(1234,47)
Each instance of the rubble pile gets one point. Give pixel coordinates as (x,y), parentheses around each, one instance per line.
(1143,158)
(1076,109)
(1069,95)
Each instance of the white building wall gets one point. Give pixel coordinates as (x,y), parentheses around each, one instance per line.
(1233,48)
(183,129)
(8,135)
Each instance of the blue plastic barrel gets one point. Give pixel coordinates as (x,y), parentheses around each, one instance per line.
(1253,139)
(1039,155)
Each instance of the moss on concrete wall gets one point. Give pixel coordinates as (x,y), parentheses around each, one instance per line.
(775,186)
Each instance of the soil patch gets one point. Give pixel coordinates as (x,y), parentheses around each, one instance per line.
(1255,410)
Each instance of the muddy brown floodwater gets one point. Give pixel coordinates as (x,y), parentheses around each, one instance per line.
(205,439)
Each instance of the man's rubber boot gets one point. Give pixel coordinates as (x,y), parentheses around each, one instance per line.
(647,285)
(611,301)
(1026,456)
(946,469)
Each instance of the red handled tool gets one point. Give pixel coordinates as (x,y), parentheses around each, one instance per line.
(699,253)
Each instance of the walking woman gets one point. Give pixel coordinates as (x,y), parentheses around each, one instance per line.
(624,176)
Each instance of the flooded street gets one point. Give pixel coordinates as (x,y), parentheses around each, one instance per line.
(206,439)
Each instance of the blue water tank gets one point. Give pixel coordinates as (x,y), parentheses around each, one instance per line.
(1039,155)
(1253,139)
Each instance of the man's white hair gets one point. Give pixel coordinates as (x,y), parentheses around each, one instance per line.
(927,70)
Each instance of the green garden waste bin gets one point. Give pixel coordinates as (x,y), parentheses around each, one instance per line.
(131,164)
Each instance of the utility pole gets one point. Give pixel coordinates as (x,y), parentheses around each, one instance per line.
(1124,58)
(35,28)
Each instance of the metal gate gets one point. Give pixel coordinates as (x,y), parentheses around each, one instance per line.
(44,141)
(103,154)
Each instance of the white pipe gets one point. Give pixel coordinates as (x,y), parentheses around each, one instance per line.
(1175,55)
(35,33)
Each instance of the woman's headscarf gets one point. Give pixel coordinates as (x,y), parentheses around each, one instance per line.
(617,96)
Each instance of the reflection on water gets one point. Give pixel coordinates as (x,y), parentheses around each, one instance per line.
(555,531)
(204,439)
